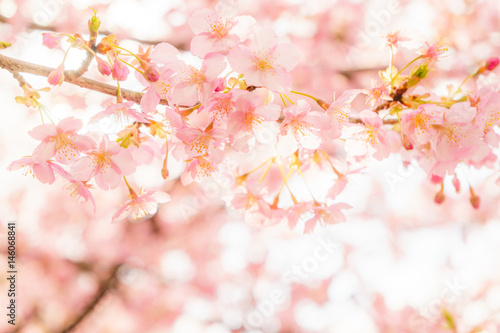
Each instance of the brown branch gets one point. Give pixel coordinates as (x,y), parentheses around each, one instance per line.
(106,285)
(19,66)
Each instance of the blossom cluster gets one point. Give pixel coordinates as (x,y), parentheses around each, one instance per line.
(240,100)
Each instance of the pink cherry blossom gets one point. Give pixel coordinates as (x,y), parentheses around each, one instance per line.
(197,169)
(61,141)
(325,214)
(121,113)
(200,143)
(457,138)
(420,125)
(218,30)
(220,106)
(79,190)
(107,164)
(265,63)
(43,171)
(198,84)
(303,127)
(160,89)
(377,93)
(361,138)
(340,111)
(51,39)
(435,50)
(256,211)
(252,122)
(394,38)
(141,206)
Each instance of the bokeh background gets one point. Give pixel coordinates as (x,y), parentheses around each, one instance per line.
(399,263)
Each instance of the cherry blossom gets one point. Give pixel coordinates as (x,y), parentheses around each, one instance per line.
(60,141)
(218,30)
(265,62)
(303,127)
(198,84)
(43,170)
(107,163)
(361,139)
(121,113)
(139,207)
(252,122)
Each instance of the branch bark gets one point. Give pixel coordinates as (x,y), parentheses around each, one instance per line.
(18,66)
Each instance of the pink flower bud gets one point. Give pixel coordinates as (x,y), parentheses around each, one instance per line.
(456,184)
(51,39)
(492,63)
(103,66)
(120,71)
(436,179)
(439,198)
(151,74)
(407,143)
(56,76)
(474,199)
(220,85)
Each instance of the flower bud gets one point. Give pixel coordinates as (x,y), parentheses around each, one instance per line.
(492,63)
(94,24)
(120,71)
(51,39)
(474,199)
(56,77)
(407,143)
(456,184)
(4,45)
(103,66)
(324,105)
(439,198)
(151,74)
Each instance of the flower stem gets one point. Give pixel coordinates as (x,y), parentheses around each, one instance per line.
(402,69)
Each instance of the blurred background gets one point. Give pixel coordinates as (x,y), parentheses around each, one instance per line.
(399,264)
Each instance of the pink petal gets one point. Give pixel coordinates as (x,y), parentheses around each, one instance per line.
(82,169)
(287,56)
(150,100)
(44,151)
(43,131)
(164,53)
(43,172)
(213,65)
(201,45)
(70,125)
(124,161)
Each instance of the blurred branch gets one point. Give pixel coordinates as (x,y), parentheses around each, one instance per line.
(35,26)
(181,46)
(18,66)
(354,120)
(106,285)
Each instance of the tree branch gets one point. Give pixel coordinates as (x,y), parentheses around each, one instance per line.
(106,285)
(18,66)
